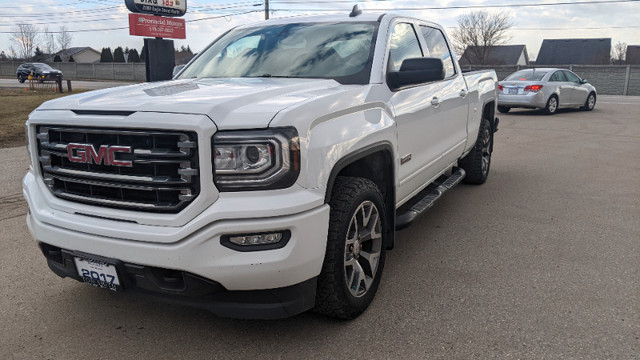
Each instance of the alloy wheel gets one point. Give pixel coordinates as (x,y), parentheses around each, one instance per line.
(362,249)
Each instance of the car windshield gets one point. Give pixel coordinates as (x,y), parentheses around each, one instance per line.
(338,51)
(43,67)
(526,75)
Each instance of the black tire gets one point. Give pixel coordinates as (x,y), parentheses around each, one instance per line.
(552,105)
(21,79)
(478,162)
(504,109)
(590,103)
(351,199)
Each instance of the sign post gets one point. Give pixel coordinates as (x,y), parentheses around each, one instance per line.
(157,18)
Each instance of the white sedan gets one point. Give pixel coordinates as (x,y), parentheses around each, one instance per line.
(547,89)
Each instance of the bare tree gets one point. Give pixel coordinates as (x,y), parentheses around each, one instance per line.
(64,38)
(25,37)
(478,31)
(49,40)
(619,53)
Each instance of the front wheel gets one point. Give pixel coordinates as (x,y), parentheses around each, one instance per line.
(504,109)
(590,103)
(355,249)
(478,162)
(21,79)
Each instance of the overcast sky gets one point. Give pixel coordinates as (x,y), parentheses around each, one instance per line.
(206,19)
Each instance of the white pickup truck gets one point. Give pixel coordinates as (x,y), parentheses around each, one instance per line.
(268,178)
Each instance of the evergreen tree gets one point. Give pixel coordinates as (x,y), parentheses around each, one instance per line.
(71,59)
(57,59)
(142,55)
(118,55)
(106,55)
(133,56)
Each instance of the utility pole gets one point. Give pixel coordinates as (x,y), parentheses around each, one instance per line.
(266,9)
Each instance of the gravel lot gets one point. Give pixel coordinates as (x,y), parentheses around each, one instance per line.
(543,261)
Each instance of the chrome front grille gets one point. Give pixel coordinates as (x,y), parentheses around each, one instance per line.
(156,171)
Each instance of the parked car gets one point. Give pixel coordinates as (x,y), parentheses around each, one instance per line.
(39,71)
(548,89)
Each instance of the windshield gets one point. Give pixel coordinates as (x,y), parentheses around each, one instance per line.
(526,75)
(321,50)
(43,67)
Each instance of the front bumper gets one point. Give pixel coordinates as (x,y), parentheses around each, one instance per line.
(247,281)
(187,289)
(529,100)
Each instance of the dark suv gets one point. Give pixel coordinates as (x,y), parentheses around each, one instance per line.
(39,71)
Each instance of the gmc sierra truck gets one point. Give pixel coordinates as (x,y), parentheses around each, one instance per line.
(268,178)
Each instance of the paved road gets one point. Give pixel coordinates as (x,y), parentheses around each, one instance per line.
(543,261)
(76,85)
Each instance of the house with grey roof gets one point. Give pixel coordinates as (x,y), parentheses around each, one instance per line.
(495,55)
(633,54)
(84,54)
(575,52)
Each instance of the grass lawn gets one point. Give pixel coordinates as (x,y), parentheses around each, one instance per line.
(15,106)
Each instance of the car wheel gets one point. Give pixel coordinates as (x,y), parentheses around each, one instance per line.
(478,162)
(552,105)
(590,103)
(21,78)
(504,109)
(356,249)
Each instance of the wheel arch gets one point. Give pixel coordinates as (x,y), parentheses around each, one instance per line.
(374,162)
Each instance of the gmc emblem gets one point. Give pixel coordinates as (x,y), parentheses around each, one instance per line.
(106,155)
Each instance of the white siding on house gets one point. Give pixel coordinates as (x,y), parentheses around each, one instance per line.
(87,57)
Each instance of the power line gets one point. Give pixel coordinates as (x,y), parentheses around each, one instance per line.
(421,8)
(127,27)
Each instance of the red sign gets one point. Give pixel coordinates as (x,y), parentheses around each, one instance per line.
(157,26)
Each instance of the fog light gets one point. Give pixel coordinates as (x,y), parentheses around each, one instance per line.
(256,242)
(260,239)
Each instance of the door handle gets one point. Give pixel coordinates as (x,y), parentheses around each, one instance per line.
(463,93)
(435,101)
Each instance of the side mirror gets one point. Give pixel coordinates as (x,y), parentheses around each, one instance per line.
(177,69)
(583,81)
(415,72)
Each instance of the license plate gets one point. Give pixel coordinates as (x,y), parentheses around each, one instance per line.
(98,273)
(513,91)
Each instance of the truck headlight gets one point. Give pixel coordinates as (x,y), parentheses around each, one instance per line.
(256,159)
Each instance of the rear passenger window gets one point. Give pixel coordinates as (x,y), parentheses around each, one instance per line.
(437,47)
(557,76)
(404,45)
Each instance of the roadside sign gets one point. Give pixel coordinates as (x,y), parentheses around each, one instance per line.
(158,7)
(157,26)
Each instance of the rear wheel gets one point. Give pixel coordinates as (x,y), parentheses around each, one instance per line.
(504,109)
(552,105)
(355,249)
(590,103)
(478,162)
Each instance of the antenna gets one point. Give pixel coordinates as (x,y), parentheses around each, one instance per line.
(355,11)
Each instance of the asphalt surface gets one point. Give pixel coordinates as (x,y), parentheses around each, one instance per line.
(542,261)
(75,84)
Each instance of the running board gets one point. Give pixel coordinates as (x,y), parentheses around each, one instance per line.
(433,193)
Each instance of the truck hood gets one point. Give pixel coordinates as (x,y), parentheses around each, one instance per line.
(234,103)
